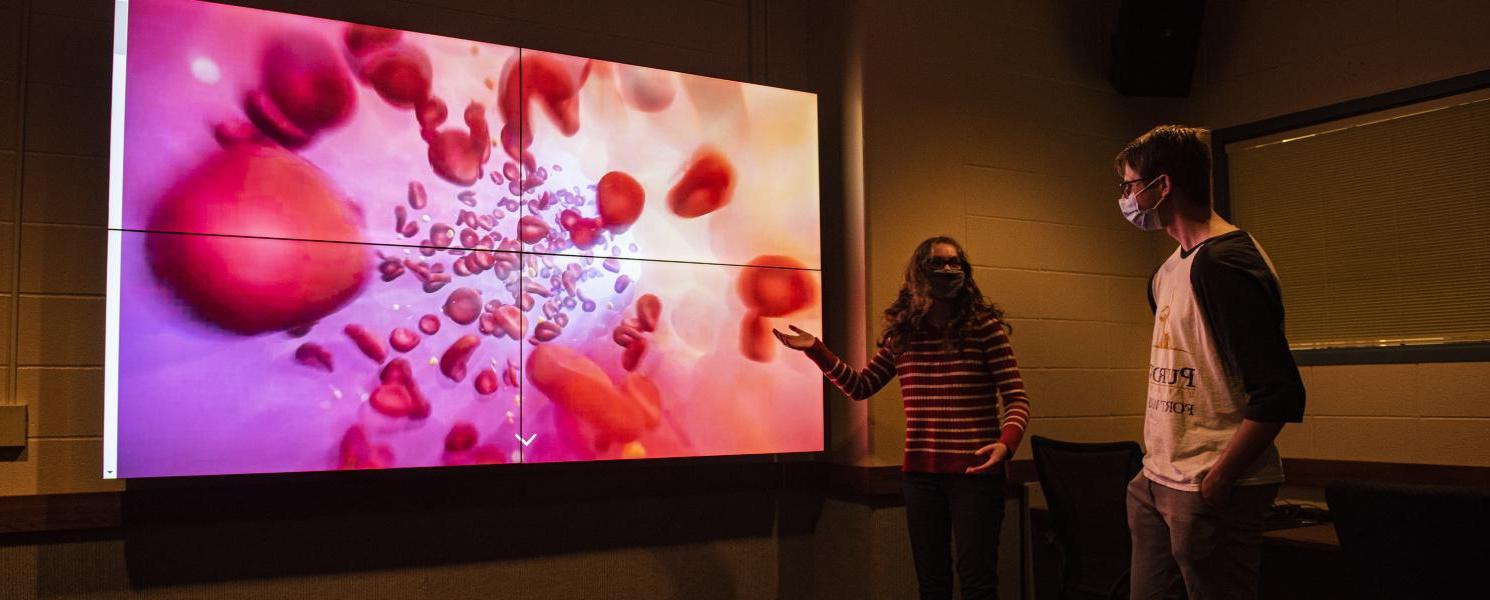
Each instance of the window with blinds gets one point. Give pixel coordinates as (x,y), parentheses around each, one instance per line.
(1379,226)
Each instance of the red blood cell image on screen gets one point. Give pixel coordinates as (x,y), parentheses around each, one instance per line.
(356,452)
(400,74)
(462,437)
(706,186)
(403,339)
(620,199)
(362,40)
(648,311)
(313,355)
(367,342)
(456,155)
(429,324)
(756,341)
(305,88)
(647,90)
(453,361)
(248,285)
(463,306)
(486,381)
(780,286)
(578,385)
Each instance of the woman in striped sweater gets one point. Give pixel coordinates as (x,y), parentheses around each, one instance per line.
(951,351)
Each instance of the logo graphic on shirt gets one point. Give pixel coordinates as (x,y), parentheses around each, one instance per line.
(1166,342)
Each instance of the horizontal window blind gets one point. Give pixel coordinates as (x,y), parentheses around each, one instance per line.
(1380,230)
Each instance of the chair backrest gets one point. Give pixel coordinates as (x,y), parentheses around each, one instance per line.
(1086,487)
(1413,541)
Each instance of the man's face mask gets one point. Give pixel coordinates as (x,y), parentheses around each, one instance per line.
(1145,219)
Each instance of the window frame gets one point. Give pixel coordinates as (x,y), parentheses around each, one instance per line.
(1220,138)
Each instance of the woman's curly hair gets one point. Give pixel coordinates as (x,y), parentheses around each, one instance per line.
(908,314)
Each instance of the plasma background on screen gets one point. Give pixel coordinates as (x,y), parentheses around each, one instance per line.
(336,246)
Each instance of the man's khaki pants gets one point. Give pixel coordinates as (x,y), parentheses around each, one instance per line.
(1181,545)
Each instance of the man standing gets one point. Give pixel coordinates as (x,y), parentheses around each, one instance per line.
(1222,382)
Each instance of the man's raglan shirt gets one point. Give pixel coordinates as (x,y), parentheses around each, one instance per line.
(1218,356)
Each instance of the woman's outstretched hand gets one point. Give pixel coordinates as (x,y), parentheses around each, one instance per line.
(798,340)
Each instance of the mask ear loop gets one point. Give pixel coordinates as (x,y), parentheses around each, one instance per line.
(1145,188)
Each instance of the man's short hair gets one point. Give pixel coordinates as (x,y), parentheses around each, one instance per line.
(1184,153)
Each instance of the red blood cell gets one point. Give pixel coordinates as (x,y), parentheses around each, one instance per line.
(431,114)
(486,222)
(469,238)
(633,354)
(363,39)
(236,131)
(441,234)
(648,310)
(546,331)
(706,185)
(568,217)
(429,324)
(611,265)
(436,282)
(304,80)
(486,381)
(397,370)
(554,83)
(488,455)
(525,301)
(266,281)
(620,199)
(775,285)
(487,324)
(756,342)
(456,155)
(463,305)
(510,375)
(410,229)
(453,361)
(483,260)
(393,400)
(511,321)
(646,394)
(418,198)
(467,197)
(400,73)
(400,217)
(578,385)
(647,90)
(585,233)
(621,283)
(355,452)
(367,342)
(509,169)
(531,229)
(403,339)
(312,354)
(462,437)
(460,267)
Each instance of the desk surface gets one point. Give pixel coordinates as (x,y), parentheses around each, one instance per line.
(1314,537)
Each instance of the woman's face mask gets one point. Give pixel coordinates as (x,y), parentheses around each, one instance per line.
(1146,219)
(946,277)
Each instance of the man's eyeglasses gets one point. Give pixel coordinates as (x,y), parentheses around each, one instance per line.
(1124,187)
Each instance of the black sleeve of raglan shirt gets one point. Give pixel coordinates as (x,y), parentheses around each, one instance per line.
(1243,307)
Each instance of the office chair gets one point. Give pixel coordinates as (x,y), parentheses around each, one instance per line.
(1413,541)
(1086,487)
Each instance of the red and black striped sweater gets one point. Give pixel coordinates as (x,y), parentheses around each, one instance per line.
(951,394)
